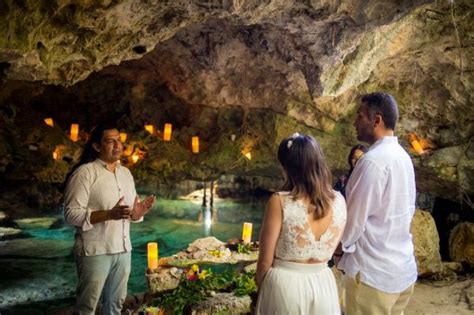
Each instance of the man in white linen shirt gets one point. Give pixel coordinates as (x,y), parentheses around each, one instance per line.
(97,200)
(378,261)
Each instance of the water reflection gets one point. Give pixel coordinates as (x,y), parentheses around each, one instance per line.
(208,217)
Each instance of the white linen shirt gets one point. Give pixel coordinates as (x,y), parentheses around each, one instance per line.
(381,197)
(93,187)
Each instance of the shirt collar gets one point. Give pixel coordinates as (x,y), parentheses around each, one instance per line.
(104,164)
(384,140)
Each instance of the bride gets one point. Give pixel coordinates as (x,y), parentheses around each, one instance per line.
(301,229)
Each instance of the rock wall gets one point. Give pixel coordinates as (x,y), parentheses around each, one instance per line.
(257,70)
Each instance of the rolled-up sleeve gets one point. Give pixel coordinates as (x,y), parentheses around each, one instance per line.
(364,193)
(134,194)
(76,199)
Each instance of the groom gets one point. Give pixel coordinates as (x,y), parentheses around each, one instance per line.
(378,261)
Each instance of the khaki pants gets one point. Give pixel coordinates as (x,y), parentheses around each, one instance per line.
(362,299)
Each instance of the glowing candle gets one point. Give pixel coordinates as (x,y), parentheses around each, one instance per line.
(195,144)
(150,129)
(248,155)
(49,122)
(417,147)
(74,133)
(247,232)
(167,132)
(415,144)
(135,158)
(123,137)
(152,255)
(56,153)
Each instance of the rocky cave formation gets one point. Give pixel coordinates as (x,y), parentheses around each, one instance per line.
(241,75)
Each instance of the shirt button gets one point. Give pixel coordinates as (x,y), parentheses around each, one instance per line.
(125,236)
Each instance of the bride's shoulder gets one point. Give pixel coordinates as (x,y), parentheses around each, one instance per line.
(339,202)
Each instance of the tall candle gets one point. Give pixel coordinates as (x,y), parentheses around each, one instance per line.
(74,134)
(195,144)
(247,232)
(152,250)
(167,132)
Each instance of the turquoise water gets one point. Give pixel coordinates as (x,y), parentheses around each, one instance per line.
(40,267)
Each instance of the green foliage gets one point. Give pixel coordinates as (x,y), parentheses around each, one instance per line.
(245,284)
(199,288)
(244,248)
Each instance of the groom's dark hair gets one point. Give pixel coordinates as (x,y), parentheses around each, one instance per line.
(383,104)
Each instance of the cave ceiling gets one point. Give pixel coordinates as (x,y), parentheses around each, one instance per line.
(241,75)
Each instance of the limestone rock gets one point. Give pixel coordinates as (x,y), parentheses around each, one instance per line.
(259,70)
(426,242)
(32,223)
(461,243)
(206,243)
(223,303)
(161,280)
(7,233)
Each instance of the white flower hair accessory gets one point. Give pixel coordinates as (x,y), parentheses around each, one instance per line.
(292,138)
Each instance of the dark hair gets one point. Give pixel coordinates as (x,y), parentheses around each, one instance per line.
(360,147)
(89,154)
(307,173)
(384,105)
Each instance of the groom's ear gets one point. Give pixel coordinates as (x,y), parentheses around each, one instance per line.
(378,121)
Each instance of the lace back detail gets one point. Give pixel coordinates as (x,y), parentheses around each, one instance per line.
(297,241)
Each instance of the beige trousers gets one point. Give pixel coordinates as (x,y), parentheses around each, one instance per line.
(362,299)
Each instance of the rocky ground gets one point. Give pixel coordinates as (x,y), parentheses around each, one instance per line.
(443,297)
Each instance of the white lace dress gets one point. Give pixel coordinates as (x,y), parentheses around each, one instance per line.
(299,288)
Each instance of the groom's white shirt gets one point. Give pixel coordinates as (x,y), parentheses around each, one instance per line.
(381,197)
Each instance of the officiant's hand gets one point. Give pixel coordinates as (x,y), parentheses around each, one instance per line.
(140,208)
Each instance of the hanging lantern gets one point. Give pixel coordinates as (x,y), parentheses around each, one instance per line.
(49,122)
(195,144)
(152,253)
(74,133)
(150,129)
(123,137)
(167,132)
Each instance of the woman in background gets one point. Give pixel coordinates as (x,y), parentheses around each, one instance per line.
(355,155)
(301,228)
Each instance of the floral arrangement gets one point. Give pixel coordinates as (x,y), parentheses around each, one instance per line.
(197,285)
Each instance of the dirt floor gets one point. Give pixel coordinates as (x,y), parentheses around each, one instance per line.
(443,297)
